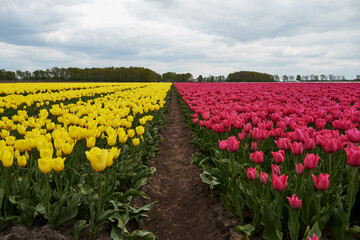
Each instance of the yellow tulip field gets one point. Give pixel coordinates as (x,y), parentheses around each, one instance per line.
(76,153)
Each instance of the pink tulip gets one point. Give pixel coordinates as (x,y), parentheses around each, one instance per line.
(296,148)
(253,146)
(311,161)
(279,183)
(241,136)
(279,156)
(314,237)
(299,168)
(275,169)
(257,157)
(283,143)
(233,144)
(218,128)
(294,201)
(298,136)
(353,135)
(223,144)
(329,145)
(263,177)
(309,144)
(195,120)
(251,173)
(353,156)
(322,182)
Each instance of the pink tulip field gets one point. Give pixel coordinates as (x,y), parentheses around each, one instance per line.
(285,157)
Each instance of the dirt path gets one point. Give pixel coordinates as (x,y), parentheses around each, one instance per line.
(184,209)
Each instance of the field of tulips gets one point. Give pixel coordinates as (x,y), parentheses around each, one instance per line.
(76,153)
(285,156)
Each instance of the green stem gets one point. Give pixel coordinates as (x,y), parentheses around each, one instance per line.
(330,163)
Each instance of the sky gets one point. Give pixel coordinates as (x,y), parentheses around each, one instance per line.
(207,37)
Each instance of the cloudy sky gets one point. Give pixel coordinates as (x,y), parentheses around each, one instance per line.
(208,37)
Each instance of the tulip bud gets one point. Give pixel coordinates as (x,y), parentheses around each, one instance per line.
(322,182)
(257,157)
(311,161)
(279,183)
(223,144)
(279,156)
(251,173)
(263,177)
(136,141)
(299,168)
(294,201)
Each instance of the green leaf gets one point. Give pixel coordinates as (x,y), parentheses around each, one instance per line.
(293,224)
(2,193)
(272,223)
(104,215)
(315,229)
(131,193)
(247,229)
(78,228)
(141,235)
(68,212)
(116,233)
(39,209)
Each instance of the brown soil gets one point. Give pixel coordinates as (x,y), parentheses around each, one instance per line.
(184,208)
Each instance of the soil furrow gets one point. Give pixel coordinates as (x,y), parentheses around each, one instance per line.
(184,208)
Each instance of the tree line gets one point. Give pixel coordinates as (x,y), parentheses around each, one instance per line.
(109,74)
(313,78)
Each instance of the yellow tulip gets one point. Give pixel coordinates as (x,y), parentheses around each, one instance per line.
(131,133)
(90,142)
(59,152)
(115,152)
(7,158)
(50,126)
(58,164)
(142,121)
(130,118)
(97,158)
(140,130)
(21,129)
(46,152)
(45,165)
(67,148)
(4,133)
(128,124)
(109,158)
(111,140)
(136,141)
(123,137)
(21,161)
(10,140)
(58,142)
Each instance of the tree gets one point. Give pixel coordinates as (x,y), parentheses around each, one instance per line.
(285,78)
(312,76)
(305,78)
(276,78)
(332,77)
(323,77)
(298,78)
(291,78)
(247,76)
(200,78)
(316,78)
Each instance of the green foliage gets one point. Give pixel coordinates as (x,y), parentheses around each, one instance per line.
(247,76)
(109,74)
